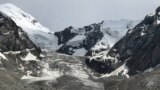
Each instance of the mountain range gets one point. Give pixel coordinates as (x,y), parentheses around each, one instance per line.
(110,55)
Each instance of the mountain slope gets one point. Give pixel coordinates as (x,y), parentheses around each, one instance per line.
(15,47)
(24,66)
(12,37)
(136,52)
(94,39)
(39,34)
(143,81)
(72,41)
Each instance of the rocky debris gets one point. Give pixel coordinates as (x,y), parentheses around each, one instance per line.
(50,72)
(14,65)
(143,81)
(11,81)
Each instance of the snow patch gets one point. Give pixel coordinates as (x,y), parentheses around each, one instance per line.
(77,38)
(80,74)
(80,52)
(142,33)
(3,56)
(158,21)
(12,52)
(29,57)
(152,14)
(28,76)
(122,70)
(149,70)
(46,74)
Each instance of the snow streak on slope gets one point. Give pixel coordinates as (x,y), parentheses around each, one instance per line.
(122,70)
(39,34)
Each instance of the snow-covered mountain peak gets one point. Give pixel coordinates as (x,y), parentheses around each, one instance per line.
(22,19)
(39,34)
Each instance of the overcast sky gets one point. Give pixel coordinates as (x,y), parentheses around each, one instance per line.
(59,14)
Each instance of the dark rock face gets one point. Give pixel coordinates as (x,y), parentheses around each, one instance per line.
(140,48)
(12,38)
(65,35)
(92,38)
(92,34)
(157,14)
(98,66)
